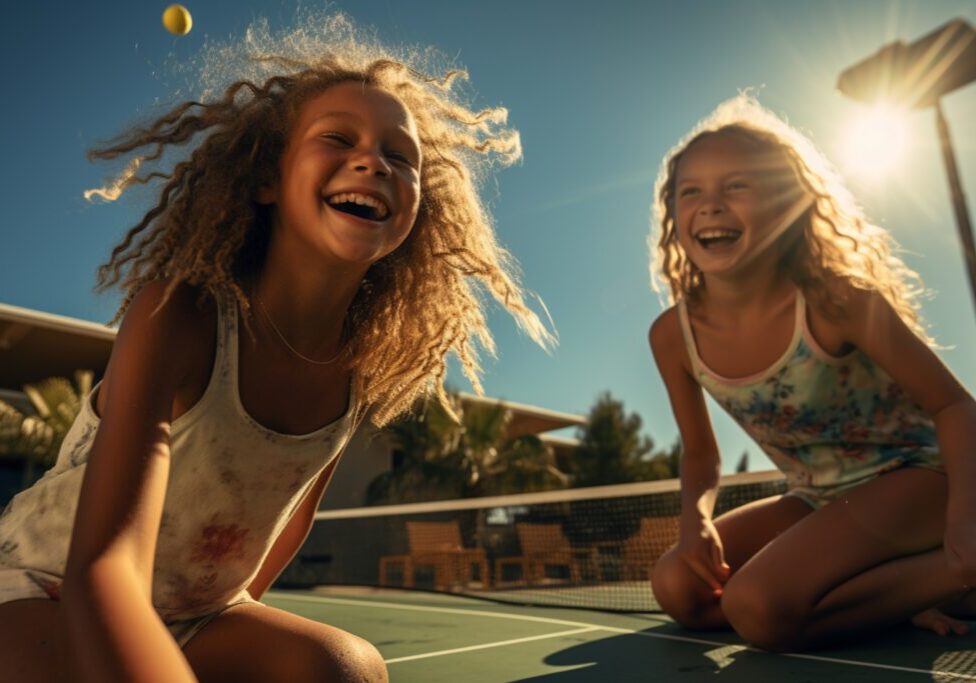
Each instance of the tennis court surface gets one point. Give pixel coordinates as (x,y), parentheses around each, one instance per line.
(428,637)
(554,586)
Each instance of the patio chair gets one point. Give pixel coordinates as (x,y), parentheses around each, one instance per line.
(437,545)
(640,551)
(545,545)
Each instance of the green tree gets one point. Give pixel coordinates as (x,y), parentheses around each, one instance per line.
(37,438)
(441,458)
(429,464)
(666,464)
(612,450)
(524,464)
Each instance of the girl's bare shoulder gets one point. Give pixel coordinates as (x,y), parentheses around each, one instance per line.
(666,338)
(179,320)
(175,332)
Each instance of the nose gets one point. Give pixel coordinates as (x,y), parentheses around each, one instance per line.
(710,206)
(371,162)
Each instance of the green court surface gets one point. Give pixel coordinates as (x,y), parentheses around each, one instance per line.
(426,637)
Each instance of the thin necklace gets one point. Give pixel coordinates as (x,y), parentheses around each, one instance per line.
(285,341)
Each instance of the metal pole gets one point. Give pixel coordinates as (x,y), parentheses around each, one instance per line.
(958,199)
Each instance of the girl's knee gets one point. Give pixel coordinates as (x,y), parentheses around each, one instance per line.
(339,658)
(361,661)
(683,596)
(346,658)
(758,616)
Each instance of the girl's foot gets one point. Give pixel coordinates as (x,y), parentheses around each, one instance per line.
(934,620)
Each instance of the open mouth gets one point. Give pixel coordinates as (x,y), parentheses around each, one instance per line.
(715,238)
(359,205)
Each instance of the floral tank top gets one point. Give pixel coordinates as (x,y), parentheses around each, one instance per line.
(824,421)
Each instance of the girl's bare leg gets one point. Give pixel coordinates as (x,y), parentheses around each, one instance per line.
(258,643)
(869,559)
(246,643)
(31,645)
(744,531)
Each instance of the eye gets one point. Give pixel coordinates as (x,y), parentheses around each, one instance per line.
(336,138)
(400,158)
(737,185)
(688,191)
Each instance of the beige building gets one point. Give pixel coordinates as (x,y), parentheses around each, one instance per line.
(35,345)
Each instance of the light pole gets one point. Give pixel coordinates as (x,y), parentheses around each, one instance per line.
(915,76)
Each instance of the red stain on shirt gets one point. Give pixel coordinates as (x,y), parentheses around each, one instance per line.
(219,542)
(52,588)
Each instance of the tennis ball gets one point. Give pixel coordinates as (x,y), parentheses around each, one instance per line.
(177,20)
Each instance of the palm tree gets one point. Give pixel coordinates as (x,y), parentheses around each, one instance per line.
(444,459)
(37,438)
(498,465)
(526,464)
(426,442)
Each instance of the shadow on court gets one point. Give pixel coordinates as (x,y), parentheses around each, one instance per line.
(902,654)
(434,638)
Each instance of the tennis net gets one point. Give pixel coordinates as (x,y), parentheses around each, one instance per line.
(585,548)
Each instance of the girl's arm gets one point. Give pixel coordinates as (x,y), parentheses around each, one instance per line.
(700,461)
(113,631)
(872,325)
(292,537)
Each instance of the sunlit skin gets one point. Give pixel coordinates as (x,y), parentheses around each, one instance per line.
(891,549)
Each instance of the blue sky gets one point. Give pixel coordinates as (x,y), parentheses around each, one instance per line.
(599,91)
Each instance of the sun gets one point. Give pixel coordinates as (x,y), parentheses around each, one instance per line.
(875,141)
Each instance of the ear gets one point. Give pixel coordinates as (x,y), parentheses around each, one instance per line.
(266,194)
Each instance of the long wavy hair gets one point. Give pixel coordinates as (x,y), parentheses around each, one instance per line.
(828,246)
(415,305)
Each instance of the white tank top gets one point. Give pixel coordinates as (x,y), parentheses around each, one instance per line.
(233,486)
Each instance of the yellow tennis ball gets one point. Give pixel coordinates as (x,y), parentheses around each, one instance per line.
(177,20)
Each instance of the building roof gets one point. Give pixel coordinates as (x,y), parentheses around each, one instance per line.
(36,345)
(528,419)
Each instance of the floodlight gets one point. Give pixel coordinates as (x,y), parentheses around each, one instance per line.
(915,76)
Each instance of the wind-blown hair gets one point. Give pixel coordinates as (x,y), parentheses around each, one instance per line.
(830,243)
(415,305)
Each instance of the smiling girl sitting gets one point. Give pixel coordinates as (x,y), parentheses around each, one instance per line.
(313,256)
(795,315)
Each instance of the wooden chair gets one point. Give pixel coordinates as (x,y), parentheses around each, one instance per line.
(437,545)
(640,551)
(545,545)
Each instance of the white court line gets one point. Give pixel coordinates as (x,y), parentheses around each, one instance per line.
(485,646)
(420,608)
(611,629)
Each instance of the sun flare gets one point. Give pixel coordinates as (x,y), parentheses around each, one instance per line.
(875,142)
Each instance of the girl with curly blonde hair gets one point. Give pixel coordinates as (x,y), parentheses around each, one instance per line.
(314,254)
(796,316)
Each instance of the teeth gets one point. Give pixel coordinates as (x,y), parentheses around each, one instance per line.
(364,200)
(717,233)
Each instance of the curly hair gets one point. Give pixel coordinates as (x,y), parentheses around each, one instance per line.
(415,305)
(827,246)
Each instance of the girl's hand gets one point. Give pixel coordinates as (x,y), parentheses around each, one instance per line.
(701,548)
(960,548)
